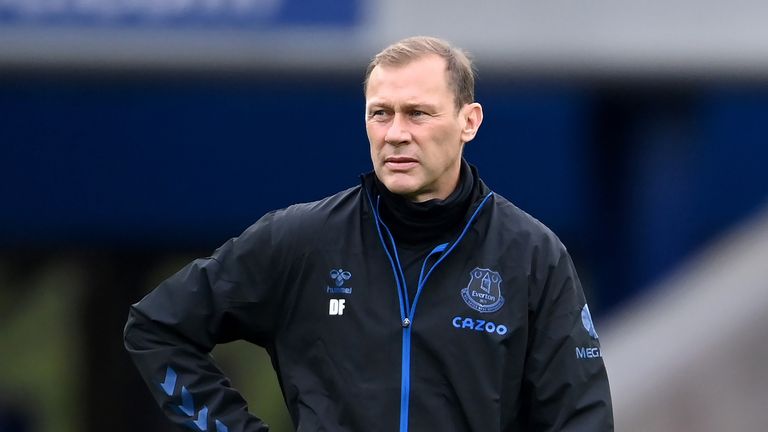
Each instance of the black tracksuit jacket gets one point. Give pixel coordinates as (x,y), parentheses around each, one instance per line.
(497,337)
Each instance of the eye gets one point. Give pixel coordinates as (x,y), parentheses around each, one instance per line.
(377,114)
(417,113)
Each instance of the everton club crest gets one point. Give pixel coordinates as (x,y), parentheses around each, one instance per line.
(483,293)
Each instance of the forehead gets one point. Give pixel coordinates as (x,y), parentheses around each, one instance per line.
(423,77)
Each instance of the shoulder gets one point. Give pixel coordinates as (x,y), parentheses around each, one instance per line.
(281,236)
(309,216)
(321,209)
(303,222)
(521,234)
(517,222)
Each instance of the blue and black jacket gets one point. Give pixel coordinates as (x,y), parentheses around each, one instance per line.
(497,335)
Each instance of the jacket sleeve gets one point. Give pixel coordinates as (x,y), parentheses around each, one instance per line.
(565,383)
(170,332)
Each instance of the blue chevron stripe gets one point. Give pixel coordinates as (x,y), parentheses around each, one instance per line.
(220,427)
(170,381)
(202,420)
(187,403)
(198,419)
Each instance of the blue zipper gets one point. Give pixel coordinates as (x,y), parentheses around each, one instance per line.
(405,379)
(407,312)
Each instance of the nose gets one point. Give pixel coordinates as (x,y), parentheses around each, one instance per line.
(397,133)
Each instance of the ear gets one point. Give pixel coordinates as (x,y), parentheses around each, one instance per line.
(473,117)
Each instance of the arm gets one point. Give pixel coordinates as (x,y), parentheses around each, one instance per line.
(565,384)
(169,333)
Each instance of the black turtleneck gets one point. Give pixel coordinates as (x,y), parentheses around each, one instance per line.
(418,227)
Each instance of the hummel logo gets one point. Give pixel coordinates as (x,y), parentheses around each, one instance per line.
(339,276)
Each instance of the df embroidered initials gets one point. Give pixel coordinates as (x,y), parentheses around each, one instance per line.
(336,307)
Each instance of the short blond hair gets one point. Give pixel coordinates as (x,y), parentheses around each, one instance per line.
(460,70)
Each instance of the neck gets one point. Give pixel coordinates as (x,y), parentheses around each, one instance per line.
(418,222)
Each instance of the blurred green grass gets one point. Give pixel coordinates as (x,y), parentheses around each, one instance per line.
(41,350)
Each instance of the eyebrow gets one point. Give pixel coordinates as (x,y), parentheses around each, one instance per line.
(419,106)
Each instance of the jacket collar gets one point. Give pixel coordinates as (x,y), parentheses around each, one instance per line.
(417,223)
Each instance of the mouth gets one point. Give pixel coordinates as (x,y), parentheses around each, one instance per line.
(400,163)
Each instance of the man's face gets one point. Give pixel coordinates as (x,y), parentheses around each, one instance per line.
(414,129)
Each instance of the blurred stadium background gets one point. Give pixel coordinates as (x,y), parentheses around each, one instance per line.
(138,135)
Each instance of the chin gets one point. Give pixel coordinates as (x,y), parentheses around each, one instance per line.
(399,187)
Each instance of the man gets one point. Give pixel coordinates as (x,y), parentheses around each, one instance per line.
(419,300)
